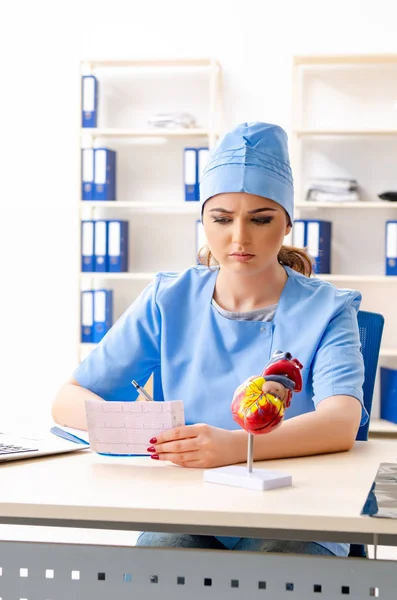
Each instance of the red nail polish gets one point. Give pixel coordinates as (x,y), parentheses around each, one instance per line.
(151,449)
(154,456)
(153,441)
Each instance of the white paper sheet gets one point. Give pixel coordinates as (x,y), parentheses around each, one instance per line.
(127,427)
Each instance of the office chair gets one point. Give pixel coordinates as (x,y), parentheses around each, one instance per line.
(371,329)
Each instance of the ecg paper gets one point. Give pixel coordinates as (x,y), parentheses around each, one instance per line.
(127,427)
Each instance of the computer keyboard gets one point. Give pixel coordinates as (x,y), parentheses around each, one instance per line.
(9,449)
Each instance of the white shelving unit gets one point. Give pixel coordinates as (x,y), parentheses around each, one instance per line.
(343,132)
(344,124)
(347,205)
(360,278)
(149,174)
(189,208)
(109,276)
(146,133)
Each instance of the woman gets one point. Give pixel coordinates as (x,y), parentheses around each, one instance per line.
(210,328)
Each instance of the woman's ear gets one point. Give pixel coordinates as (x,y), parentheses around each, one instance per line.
(288,228)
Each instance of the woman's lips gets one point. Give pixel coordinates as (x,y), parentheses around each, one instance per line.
(242,257)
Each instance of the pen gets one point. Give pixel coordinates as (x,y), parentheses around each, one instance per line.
(141,391)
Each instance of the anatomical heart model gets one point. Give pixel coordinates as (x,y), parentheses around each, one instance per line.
(258,406)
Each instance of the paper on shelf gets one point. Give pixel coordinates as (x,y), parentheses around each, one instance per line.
(127,427)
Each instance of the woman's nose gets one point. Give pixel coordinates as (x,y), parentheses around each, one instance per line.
(240,233)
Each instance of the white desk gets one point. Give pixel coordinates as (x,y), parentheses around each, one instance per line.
(90,491)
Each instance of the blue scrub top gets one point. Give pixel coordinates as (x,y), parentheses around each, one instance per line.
(204,357)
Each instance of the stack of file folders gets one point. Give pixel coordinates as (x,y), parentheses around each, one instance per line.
(173,120)
(96,314)
(195,160)
(328,189)
(98,174)
(315,236)
(104,246)
(201,239)
(89,101)
(391,248)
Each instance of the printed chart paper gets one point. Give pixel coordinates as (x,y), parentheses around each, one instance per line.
(127,427)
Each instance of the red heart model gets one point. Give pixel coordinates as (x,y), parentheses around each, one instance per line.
(259,403)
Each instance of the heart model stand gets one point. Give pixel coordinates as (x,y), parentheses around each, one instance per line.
(258,406)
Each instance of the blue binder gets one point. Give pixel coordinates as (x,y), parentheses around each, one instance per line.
(101,246)
(299,234)
(315,236)
(103,313)
(117,246)
(87,316)
(89,101)
(104,174)
(87,246)
(191,174)
(202,159)
(87,174)
(391,247)
(388,394)
(201,239)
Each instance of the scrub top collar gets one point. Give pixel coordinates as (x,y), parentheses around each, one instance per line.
(281,305)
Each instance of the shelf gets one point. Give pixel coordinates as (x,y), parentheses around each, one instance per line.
(146,133)
(343,132)
(360,205)
(87,346)
(189,208)
(149,276)
(129,276)
(388,352)
(193,207)
(359,278)
(153,63)
(346,59)
(141,132)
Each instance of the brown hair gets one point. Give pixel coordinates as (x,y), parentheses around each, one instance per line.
(290,256)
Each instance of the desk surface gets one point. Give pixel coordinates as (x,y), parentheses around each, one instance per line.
(327,495)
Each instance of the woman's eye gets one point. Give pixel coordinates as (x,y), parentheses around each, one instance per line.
(221,220)
(263,221)
(256,220)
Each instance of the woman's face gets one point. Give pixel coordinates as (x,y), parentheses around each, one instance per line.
(244,232)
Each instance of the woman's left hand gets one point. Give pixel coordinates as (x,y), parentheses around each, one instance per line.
(200,446)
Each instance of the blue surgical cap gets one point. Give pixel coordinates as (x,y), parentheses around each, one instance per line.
(251,158)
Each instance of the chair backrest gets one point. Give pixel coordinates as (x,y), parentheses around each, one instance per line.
(371,328)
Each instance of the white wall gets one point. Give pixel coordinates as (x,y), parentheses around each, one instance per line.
(42,45)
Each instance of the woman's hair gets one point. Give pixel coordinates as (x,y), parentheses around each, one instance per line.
(295,258)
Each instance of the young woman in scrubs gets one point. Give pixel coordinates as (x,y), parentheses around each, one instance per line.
(212,326)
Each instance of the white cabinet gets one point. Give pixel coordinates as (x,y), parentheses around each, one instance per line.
(149,172)
(344,124)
